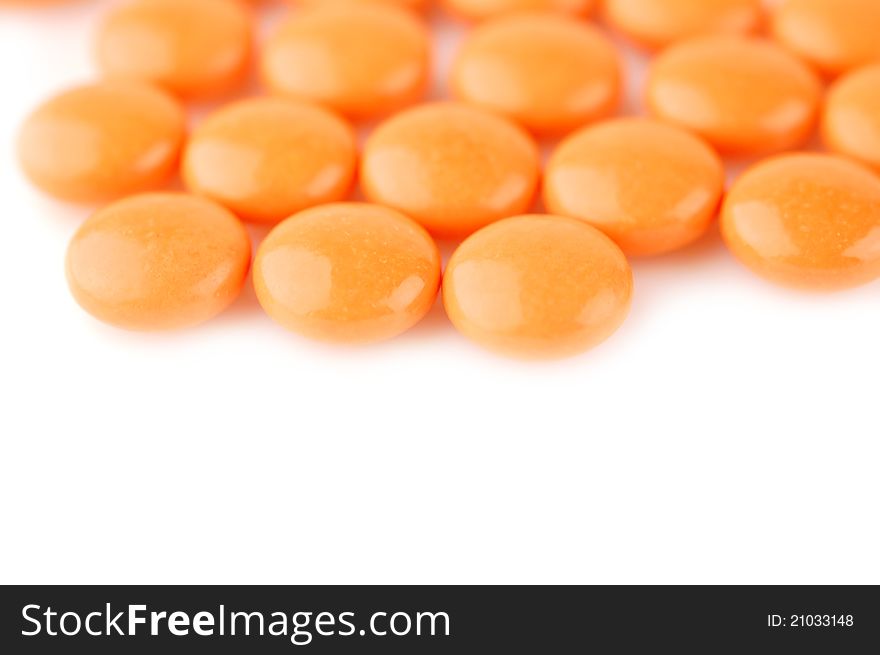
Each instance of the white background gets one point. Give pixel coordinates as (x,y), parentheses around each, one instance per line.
(727,433)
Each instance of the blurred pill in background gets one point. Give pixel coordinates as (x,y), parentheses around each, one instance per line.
(102,141)
(478,10)
(363,60)
(659,23)
(268,158)
(745,96)
(416,5)
(851,122)
(548,72)
(452,167)
(193,48)
(833,35)
(652,187)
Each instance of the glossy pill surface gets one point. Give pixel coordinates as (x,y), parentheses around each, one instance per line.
(99,142)
(537,286)
(851,122)
(483,9)
(268,158)
(190,47)
(806,220)
(833,35)
(347,272)
(158,261)
(548,72)
(651,187)
(360,59)
(659,23)
(414,5)
(745,96)
(452,167)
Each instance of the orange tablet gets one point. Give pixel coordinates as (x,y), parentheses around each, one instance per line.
(806,220)
(659,23)
(360,59)
(651,187)
(537,286)
(267,158)
(347,272)
(833,35)
(745,96)
(476,10)
(851,123)
(99,142)
(158,261)
(415,5)
(549,72)
(452,167)
(190,47)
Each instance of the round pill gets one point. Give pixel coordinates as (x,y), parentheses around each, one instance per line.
(360,59)
(483,9)
(347,272)
(537,286)
(191,47)
(268,158)
(851,124)
(158,261)
(806,220)
(745,96)
(833,35)
(658,23)
(99,142)
(651,187)
(549,72)
(452,167)
(415,5)
(40,4)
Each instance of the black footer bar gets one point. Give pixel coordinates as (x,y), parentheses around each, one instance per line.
(461,620)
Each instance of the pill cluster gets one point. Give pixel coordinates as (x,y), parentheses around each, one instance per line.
(728,79)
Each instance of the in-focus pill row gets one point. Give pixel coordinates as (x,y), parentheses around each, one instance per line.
(533,285)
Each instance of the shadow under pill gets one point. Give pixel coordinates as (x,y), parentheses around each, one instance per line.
(659,277)
(434,323)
